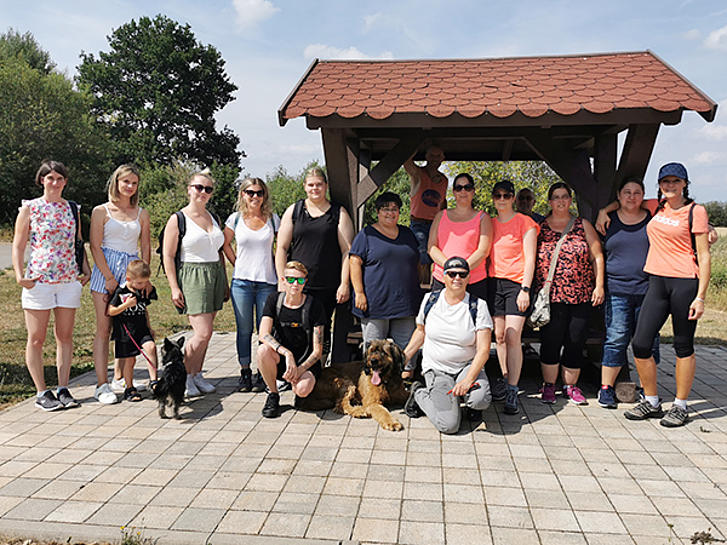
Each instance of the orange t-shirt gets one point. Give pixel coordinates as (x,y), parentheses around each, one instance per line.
(507,259)
(425,203)
(670,243)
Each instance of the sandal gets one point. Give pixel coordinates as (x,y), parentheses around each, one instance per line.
(132,394)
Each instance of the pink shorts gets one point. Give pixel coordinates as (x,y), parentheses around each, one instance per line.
(49,296)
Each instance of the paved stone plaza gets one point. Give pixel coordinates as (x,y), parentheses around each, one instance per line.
(553,474)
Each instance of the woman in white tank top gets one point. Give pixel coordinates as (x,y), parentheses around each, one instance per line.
(199,286)
(118,228)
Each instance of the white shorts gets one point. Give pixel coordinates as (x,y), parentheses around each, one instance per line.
(48,296)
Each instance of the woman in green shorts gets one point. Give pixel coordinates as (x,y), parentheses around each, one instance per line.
(199,285)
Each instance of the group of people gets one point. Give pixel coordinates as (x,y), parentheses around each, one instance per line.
(291,273)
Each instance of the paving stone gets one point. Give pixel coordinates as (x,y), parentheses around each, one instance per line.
(246,522)
(157,517)
(554,519)
(421,533)
(296,502)
(172,496)
(329,505)
(286,524)
(463,493)
(378,508)
(423,511)
(33,509)
(214,498)
(464,513)
(73,511)
(135,494)
(510,536)
(509,517)
(22,487)
(600,522)
(467,534)
(115,514)
(255,500)
(371,530)
(330,527)
(496,495)
(100,492)
(198,520)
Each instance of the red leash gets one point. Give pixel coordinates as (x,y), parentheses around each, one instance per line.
(137,345)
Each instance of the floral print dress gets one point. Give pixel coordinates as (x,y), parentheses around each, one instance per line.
(52,233)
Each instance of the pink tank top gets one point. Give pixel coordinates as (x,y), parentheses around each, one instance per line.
(425,202)
(460,238)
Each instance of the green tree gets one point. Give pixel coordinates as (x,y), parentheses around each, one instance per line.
(285,188)
(157,91)
(25,47)
(400,184)
(42,116)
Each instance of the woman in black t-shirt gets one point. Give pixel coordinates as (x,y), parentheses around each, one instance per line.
(291,332)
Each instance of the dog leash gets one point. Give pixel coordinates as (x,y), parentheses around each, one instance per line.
(137,345)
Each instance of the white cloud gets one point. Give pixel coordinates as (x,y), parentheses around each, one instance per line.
(708,157)
(692,34)
(371,20)
(251,12)
(714,132)
(323,51)
(717,39)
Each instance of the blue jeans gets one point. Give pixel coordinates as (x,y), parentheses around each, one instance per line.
(248,296)
(622,313)
(421,232)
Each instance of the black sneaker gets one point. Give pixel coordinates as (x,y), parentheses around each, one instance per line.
(511,401)
(258,384)
(66,399)
(644,410)
(675,417)
(411,408)
(272,406)
(48,402)
(284,385)
(245,382)
(607,398)
(473,415)
(499,389)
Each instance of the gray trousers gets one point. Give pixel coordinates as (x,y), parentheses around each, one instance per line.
(399,329)
(442,408)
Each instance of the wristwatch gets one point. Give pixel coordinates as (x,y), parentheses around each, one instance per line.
(526,289)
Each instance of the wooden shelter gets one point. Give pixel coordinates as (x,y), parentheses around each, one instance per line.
(564,110)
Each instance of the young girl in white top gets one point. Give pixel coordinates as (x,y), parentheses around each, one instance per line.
(118,228)
(199,286)
(253,227)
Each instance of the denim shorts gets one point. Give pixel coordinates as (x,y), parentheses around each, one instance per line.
(421,232)
(622,313)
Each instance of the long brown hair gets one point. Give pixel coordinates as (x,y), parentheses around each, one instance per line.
(266,208)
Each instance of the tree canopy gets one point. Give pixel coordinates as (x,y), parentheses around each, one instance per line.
(157,91)
(24,47)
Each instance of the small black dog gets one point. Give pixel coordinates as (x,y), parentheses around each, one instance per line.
(172,380)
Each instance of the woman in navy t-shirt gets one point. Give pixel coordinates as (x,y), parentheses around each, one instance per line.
(384,273)
(626,246)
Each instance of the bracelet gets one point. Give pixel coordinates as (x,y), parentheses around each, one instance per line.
(699,299)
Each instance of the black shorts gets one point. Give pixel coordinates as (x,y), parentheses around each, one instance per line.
(127,349)
(502,298)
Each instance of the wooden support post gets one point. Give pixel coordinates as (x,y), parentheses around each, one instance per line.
(639,145)
(604,169)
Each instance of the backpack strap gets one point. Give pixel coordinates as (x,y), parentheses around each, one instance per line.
(275,220)
(691,234)
(474,301)
(76,218)
(237,220)
(431,301)
(182,228)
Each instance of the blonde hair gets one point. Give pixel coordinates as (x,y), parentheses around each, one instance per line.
(138,269)
(112,186)
(297,266)
(204,173)
(316,172)
(266,209)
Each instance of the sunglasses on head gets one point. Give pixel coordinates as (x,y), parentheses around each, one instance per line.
(497,196)
(206,188)
(465,187)
(455,274)
(293,279)
(253,193)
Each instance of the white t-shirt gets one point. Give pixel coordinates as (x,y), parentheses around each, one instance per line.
(254,259)
(200,246)
(450,342)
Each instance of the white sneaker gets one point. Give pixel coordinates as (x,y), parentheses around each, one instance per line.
(104,394)
(140,386)
(191,390)
(119,385)
(204,386)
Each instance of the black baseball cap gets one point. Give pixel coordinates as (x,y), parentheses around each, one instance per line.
(456,263)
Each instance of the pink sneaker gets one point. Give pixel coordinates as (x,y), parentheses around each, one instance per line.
(574,394)
(548,393)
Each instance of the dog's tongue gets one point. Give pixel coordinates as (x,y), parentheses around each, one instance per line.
(375,378)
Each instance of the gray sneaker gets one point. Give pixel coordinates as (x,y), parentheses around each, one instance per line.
(675,417)
(48,402)
(499,389)
(644,410)
(411,407)
(66,399)
(511,401)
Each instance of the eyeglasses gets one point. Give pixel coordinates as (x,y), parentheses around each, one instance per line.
(389,209)
(560,197)
(252,193)
(497,196)
(455,274)
(293,279)
(466,187)
(206,188)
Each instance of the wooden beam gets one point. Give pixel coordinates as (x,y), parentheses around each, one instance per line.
(636,153)
(604,169)
(342,167)
(507,149)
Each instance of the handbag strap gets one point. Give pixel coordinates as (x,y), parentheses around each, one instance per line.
(554,259)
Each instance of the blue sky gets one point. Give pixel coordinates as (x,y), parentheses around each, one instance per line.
(269,43)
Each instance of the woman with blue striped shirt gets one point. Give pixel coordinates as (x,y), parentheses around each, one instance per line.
(118,228)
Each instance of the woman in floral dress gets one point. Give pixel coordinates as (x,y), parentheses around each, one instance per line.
(51,281)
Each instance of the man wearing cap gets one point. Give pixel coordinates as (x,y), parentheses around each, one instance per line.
(428,196)
(454,331)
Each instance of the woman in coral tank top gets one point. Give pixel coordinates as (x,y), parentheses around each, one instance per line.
(461,231)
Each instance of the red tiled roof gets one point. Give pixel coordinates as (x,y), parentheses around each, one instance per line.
(533,86)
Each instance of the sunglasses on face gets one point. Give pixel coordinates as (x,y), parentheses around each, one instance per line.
(497,196)
(455,274)
(465,187)
(252,193)
(199,187)
(293,279)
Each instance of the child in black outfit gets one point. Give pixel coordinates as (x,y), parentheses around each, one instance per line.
(131,328)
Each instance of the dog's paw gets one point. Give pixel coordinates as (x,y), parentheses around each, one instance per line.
(358,412)
(394,425)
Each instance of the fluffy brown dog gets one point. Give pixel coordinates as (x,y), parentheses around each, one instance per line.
(360,389)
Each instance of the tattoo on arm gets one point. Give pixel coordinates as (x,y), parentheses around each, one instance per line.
(274,344)
(319,335)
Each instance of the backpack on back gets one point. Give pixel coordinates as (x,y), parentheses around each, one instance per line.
(182,227)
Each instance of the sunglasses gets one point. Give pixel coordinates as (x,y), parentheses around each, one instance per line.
(293,279)
(497,196)
(466,187)
(455,274)
(252,193)
(206,188)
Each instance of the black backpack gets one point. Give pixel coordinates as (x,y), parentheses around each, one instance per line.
(182,227)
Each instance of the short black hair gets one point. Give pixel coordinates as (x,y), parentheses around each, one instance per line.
(559,185)
(385,198)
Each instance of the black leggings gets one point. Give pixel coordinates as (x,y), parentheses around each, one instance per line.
(566,330)
(666,296)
